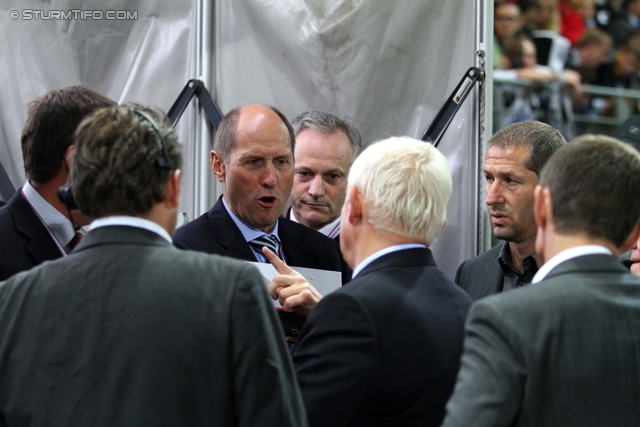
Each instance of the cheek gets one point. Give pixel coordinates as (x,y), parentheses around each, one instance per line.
(337,195)
(298,188)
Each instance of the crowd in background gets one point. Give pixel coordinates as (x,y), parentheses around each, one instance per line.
(560,46)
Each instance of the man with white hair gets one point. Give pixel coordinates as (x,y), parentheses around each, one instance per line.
(384,349)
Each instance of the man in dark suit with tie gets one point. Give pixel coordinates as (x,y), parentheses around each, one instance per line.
(35,226)
(384,349)
(564,350)
(128,330)
(514,159)
(253,158)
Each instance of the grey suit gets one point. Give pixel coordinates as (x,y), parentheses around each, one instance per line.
(128,330)
(482,275)
(564,352)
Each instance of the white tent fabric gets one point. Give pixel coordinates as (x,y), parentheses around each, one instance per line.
(146,60)
(388,65)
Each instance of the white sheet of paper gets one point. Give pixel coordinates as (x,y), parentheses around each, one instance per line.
(324,281)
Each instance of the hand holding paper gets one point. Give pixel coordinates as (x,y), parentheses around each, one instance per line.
(290,288)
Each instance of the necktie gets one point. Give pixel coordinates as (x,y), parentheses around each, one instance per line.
(269,241)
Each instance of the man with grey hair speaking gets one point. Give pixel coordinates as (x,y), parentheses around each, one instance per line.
(326,146)
(384,349)
(128,330)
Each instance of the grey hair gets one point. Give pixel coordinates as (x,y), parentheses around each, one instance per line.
(328,123)
(406,185)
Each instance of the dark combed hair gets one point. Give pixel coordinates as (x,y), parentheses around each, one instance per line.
(50,125)
(226,138)
(542,139)
(594,182)
(114,169)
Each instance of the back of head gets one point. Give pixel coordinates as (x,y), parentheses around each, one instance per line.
(226,140)
(50,125)
(593,36)
(594,182)
(328,123)
(406,186)
(542,139)
(115,169)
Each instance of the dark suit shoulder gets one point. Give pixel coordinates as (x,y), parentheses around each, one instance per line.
(364,331)
(305,234)
(25,240)
(196,235)
(304,247)
(481,275)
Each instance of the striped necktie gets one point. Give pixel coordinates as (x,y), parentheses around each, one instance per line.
(265,240)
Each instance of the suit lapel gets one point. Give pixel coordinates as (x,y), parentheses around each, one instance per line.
(227,234)
(41,245)
(291,240)
(493,281)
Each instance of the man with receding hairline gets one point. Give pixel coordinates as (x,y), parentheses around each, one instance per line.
(253,159)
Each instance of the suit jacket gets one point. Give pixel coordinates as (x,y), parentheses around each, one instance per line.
(215,232)
(563,352)
(482,275)
(384,349)
(25,240)
(128,330)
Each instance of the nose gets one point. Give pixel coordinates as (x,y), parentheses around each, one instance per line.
(269,178)
(493,193)
(316,186)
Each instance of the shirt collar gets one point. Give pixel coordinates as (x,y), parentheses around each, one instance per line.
(383,252)
(327,230)
(131,221)
(56,222)
(248,232)
(566,255)
(506,261)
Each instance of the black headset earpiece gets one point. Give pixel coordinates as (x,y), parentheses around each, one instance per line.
(164,161)
(65,194)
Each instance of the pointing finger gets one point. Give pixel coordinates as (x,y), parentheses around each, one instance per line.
(277,263)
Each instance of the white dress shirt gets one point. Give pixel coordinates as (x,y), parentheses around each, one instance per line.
(566,255)
(131,221)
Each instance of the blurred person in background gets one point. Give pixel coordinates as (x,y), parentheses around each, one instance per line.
(576,16)
(624,22)
(506,26)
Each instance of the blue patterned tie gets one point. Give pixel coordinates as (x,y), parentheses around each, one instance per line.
(269,241)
